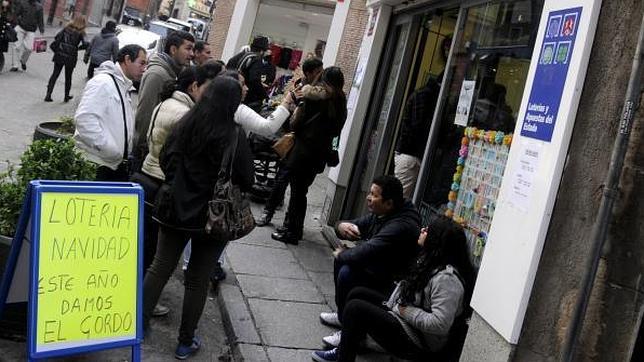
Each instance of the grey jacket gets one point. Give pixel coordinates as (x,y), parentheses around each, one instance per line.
(104,46)
(428,321)
(162,69)
(29,15)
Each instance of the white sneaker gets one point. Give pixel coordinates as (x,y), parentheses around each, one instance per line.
(330,319)
(332,340)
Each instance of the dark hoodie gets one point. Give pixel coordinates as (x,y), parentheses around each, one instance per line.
(104,47)
(390,243)
(29,15)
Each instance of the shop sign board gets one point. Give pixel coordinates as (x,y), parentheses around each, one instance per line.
(550,77)
(535,164)
(84,284)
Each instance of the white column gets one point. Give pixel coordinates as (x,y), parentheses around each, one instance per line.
(335,32)
(241,27)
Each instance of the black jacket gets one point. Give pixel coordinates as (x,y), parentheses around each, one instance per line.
(251,66)
(417,120)
(192,178)
(66,45)
(315,127)
(390,243)
(29,15)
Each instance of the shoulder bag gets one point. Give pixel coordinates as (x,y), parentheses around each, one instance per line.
(229,214)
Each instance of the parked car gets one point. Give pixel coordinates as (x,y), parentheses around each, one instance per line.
(162,28)
(184,25)
(150,41)
(132,17)
(200,27)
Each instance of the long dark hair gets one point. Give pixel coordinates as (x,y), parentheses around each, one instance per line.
(209,124)
(445,245)
(200,74)
(334,79)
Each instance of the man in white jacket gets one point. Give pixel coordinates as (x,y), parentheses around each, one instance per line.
(105,118)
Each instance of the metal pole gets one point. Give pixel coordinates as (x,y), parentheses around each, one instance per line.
(609,197)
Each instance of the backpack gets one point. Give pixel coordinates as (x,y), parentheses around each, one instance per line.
(245,63)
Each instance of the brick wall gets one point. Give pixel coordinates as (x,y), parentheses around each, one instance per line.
(354,29)
(219,26)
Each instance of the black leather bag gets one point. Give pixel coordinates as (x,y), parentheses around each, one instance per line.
(229,214)
(9,34)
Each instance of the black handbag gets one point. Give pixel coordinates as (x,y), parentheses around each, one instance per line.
(229,214)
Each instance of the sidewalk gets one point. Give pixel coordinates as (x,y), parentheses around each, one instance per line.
(274,293)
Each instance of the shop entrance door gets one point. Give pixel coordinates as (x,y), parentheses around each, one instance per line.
(415,55)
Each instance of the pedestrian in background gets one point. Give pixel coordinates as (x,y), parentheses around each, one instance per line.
(65,46)
(203,53)
(316,122)
(29,17)
(5,27)
(191,160)
(103,47)
(104,118)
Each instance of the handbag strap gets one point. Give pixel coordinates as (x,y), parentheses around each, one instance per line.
(125,148)
(225,171)
(154,120)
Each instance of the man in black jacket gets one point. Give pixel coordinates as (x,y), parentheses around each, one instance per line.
(29,17)
(251,66)
(390,233)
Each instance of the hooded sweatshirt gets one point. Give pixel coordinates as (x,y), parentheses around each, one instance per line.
(100,133)
(161,70)
(104,46)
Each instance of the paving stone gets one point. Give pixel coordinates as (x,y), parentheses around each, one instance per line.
(259,260)
(279,289)
(289,324)
(236,314)
(261,236)
(289,355)
(324,282)
(315,258)
(252,353)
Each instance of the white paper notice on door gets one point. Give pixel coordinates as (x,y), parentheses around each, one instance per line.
(464,106)
(523,176)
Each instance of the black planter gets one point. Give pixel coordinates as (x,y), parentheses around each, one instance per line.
(50,130)
(13,322)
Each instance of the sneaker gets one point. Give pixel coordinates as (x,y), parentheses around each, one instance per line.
(330,319)
(23,66)
(182,352)
(13,69)
(48,99)
(160,310)
(325,356)
(332,340)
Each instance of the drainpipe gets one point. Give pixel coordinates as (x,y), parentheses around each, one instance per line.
(609,196)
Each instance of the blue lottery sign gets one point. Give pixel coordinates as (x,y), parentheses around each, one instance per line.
(551,74)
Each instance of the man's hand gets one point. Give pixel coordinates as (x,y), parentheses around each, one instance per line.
(339,250)
(349,231)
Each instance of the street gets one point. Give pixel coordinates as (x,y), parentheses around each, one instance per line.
(22,109)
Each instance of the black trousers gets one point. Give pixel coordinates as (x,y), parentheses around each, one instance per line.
(104,173)
(150,187)
(347,278)
(90,70)
(202,263)
(300,181)
(58,67)
(279,189)
(366,314)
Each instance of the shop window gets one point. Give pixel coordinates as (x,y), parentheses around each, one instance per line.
(489,67)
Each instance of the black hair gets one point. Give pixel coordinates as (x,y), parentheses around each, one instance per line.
(390,189)
(337,110)
(132,50)
(311,64)
(219,61)
(445,244)
(189,75)
(200,45)
(176,38)
(209,124)
(230,73)
(110,26)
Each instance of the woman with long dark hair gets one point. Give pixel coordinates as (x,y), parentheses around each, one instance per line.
(176,100)
(318,119)
(66,45)
(5,26)
(190,160)
(417,318)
